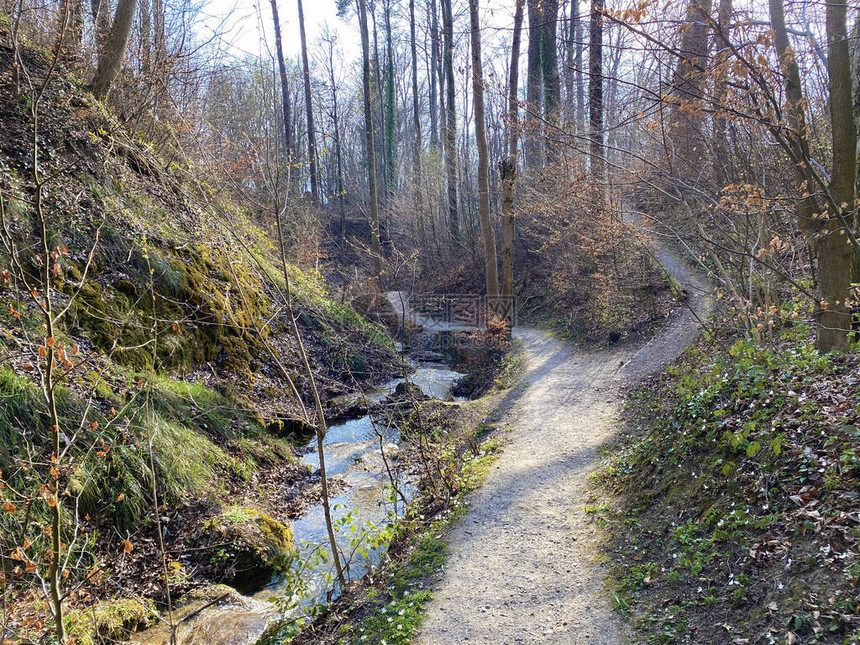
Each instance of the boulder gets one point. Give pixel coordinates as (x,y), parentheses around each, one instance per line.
(250,547)
(297,431)
(405,389)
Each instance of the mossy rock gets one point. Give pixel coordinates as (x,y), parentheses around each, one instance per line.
(251,547)
(223,304)
(296,431)
(109,621)
(127,287)
(465,386)
(405,390)
(229,304)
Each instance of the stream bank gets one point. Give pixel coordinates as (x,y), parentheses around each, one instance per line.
(363,456)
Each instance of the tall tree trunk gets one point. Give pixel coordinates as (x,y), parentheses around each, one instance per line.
(440,70)
(390,108)
(309,108)
(101,24)
(595,90)
(836,256)
(532,145)
(159,38)
(416,120)
(379,107)
(450,119)
(722,162)
(576,25)
(508,169)
(111,63)
(489,236)
(434,96)
(855,81)
(376,246)
(285,86)
(549,72)
(416,104)
(687,90)
(831,248)
(145,19)
(569,48)
(160,63)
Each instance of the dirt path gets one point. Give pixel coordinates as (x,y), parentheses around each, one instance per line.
(522,567)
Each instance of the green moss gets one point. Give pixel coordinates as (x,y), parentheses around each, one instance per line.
(229,305)
(223,306)
(277,534)
(108,621)
(252,547)
(114,322)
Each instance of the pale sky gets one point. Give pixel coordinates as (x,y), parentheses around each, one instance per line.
(244,32)
(248,24)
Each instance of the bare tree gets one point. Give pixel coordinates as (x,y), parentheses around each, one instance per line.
(830,238)
(492,266)
(434,66)
(450,131)
(376,247)
(855,82)
(595,89)
(836,256)
(416,104)
(101,24)
(416,122)
(309,109)
(285,85)
(688,105)
(573,67)
(549,72)
(110,63)
(508,166)
(330,40)
(70,27)
(389,108)
(145,37)
(722,161)
(532,148)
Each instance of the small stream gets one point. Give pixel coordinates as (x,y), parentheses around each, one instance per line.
(352,451)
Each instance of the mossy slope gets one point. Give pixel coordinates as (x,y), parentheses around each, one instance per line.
(737,515)
(177,320)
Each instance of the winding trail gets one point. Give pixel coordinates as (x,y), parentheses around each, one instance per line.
(522,565)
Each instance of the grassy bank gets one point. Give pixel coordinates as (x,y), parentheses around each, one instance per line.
(735,481)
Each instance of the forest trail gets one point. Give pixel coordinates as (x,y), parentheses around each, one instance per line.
(522,565)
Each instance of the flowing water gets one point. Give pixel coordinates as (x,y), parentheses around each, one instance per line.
(352,451)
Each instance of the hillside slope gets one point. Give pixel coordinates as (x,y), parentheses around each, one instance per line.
(737,511)
(170,352)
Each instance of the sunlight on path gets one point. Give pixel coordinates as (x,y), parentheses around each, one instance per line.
(523,565)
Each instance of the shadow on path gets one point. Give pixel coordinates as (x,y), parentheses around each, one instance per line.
(523,563)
